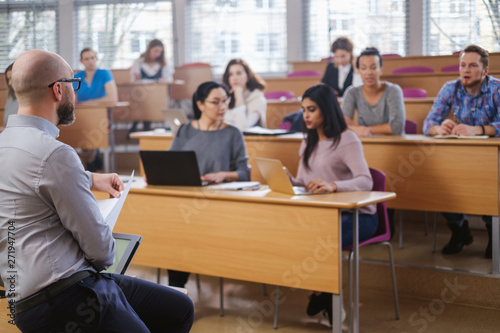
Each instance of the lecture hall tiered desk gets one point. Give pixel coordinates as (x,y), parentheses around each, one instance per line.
(453,175)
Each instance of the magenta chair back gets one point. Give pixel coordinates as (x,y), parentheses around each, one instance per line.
(452,68)
(304,73)
(414,93)
(280,94)
(383,233)
(413,69)
(195,64)
(391,55)
(410,127)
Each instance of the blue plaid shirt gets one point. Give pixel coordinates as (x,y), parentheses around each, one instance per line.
(481,109)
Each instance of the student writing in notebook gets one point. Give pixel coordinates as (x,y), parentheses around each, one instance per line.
(379,104)
(474,99)
(332,160)
(219,147)
(54,239)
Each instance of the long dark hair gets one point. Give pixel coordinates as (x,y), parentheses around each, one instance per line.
(333,118)
(254,80)
(202,93)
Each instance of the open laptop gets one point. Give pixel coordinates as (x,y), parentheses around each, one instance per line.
(126,246)
(276,178)
(171,168)
(175,118)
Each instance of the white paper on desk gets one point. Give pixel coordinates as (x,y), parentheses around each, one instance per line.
(110,208)
(235,186)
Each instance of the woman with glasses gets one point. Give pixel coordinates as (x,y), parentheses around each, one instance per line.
(248,104)
(379,104)
(219,147)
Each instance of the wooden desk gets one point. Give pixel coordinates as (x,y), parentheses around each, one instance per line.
(93,129)
(391,63)
(431,82)
(296,84)
(416,110)
(457,176)
(259,236)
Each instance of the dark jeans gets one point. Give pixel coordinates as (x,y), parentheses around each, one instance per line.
(456,218)
(177,278)
(111,303)
(368,225)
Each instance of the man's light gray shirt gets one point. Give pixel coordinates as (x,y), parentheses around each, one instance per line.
(57,227)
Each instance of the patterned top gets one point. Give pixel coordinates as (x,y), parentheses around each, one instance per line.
(480,109)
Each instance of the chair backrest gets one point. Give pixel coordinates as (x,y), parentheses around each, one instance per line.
(413,69)
(414,93)
(383,232)
(411,127)
(304,73)
(391,55)
(452,68)
(282,95)
(195,64)
(328,59)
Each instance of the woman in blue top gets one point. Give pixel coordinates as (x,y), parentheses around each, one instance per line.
(97,86)
(220,148)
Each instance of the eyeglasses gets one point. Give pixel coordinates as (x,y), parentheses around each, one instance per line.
(75,82)
(219,102)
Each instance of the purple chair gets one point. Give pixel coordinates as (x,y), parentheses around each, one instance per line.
(382,236)
(452,68)
(304,73)
(413,69)
(281,95)
(410,127)
(391,55)
(414,93)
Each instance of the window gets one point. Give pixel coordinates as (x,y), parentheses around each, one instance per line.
(365,22)
(120,32)
(237,30)
(27,25)
(457,23)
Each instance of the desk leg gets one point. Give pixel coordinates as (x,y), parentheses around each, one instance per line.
(355,272)
(111,137)
(337,303)
(495,237)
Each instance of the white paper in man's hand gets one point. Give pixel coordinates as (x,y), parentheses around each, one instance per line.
(110,208)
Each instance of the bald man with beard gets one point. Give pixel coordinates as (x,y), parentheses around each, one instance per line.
(53,239)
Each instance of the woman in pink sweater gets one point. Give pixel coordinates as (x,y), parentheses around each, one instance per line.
(332,160)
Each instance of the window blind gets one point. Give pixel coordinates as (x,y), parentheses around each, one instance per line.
(26,25)
(453,24)
(379,23)
(119,31)
(254,30)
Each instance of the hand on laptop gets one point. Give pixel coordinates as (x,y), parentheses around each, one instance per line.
(217,177)
(318,185)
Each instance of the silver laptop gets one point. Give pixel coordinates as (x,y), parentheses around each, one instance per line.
(276,178)
(175,118)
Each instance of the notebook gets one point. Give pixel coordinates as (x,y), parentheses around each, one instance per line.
(126,246)
(276,178)
(175,118)
(171,168)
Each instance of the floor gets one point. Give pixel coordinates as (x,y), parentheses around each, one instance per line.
(248,310)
